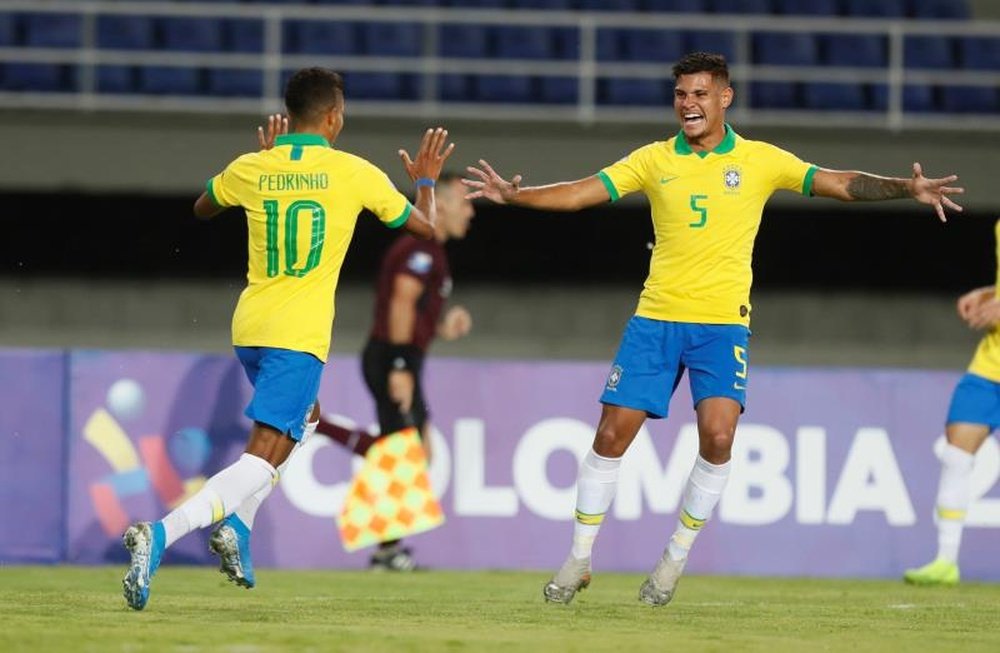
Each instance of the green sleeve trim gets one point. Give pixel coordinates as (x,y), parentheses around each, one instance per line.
(807,182)
(211,192)
(609,185)
(403,217)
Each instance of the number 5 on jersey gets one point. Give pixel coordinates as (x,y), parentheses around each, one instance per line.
(317,233)
(702,211)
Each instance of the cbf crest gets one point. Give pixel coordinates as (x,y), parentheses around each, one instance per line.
(732,177)
(614,377)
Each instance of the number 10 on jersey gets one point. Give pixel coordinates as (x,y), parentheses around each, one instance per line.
(317,225)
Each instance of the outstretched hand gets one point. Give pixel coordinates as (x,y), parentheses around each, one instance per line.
(491,185)
(430,157)
(277,125)
(935,191)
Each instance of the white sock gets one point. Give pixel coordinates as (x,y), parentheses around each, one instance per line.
(247,510)
(220,496)
(595,490)
(703,490)
(954,495)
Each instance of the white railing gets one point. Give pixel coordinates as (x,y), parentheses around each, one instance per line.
(586,69)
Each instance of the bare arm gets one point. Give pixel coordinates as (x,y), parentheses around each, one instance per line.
(853,185)
(205,207)
(562,196)
(426,167)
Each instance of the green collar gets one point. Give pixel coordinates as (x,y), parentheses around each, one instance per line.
(727,144)
(301,139)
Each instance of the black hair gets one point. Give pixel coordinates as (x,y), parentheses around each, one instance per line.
(703,62)
(312,91)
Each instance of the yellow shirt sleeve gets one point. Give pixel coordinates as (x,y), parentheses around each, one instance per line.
(627,175)
(789,171)
(380,196)
(223,188)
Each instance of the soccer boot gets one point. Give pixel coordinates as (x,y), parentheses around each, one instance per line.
(941,572)
(231,542)
(572,577)
(145,543)
(659,588)
(392,558)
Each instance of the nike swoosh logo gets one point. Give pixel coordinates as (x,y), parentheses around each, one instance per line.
(666,180)
(737,386)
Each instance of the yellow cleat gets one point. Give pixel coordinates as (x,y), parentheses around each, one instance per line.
(941,573)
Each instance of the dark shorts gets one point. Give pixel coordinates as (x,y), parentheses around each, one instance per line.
(376,363)
(653,355)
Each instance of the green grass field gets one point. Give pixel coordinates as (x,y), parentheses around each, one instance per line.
(193,609)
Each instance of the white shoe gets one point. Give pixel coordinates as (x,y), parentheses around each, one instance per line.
(659,588)
(572,577)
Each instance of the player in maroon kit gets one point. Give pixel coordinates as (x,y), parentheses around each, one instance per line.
(414,283)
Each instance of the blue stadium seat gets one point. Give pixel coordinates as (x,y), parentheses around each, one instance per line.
(559,90)
(676,6)
(807,7)
(928,52)
(834,97)
(161,80)
(980,53)
(609,45)
(341,2)
(476,4)
(243,35)
(469,41)
(523,43)
(235,83)
(7,32)
(191,34)
(743,7)
(49,78)
(503,88)
(970,99)
(785,49)
(876,8)
(115,79)
(936,9)
(53,30)
(633,92)
(453,88)
(722,42)
(125,32)
(542,4)
(393,39)
(652,45)
(379,86)
(321,37)
(774,95)
(565,42)
(414,3)
(604,5)
(916,99)
(857,50)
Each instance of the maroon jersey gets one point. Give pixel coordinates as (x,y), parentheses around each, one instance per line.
(426,261)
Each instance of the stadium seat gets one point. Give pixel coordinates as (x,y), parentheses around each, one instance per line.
(559,90)
(774,95)
(834,97)
(523,43)
(856,50)
(722,42)
(161,80)
(125,32)
(115,79)
(235,83)
(393,39)
(191,34)
(676,6)
(928,52)
(781,49)
(52,30)
(969,99)
(565,42)
(321,37)
(916,98)
(453,88)
(937,9)
(603,5)
(542,4)
(341,2)
(477,4)
(379,86)
(414,3)
(243,35)
(807,7)
(7,32)
(634,92)
(503,88)
(876,8)
(979,53)
(743,7)
(49,78)
(469,41)
(608,44)
(652,45)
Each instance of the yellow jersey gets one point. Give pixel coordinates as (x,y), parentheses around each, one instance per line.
(986,361)
(302,199)
(706,209)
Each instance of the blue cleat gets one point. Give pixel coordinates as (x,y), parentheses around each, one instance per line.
(231,542)
(145,542)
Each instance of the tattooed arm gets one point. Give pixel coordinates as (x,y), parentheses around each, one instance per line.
(850,186)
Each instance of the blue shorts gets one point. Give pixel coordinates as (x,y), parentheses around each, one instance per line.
(975,401)
(653,355)
(285,384)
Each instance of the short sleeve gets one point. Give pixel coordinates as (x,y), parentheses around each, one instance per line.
(789,172)
(419,264)
(223,188)
(380,196)
(626,175)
